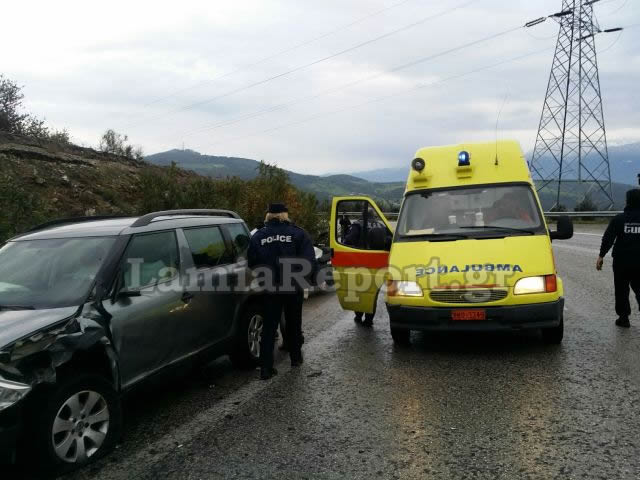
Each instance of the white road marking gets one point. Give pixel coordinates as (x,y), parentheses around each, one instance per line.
(590,234)
(577,248)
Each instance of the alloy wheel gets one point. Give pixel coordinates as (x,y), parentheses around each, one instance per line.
(255,335)
(80,427)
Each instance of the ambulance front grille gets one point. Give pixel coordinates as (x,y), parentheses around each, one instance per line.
(468,296)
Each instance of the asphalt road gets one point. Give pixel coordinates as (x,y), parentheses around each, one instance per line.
(463,406)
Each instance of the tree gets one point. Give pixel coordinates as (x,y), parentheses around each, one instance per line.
(586,205)
(11,96)
(116,143)
(113,142)
(14,120)
(559,208)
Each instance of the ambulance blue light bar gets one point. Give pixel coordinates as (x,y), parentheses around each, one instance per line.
(464,159)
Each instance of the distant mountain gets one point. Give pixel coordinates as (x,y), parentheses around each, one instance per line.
(624,161)
(245,168)
(384,175)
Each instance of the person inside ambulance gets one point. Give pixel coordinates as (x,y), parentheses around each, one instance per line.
(511,206)
(623,234)
(353,238)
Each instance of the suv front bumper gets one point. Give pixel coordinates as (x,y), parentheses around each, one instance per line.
(10,427)
(504,318)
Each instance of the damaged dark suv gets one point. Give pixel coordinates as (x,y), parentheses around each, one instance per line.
(90,307)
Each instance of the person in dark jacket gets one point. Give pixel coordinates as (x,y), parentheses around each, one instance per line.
(276,250)
(353,238)
(623,234)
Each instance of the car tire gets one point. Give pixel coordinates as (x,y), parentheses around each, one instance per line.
(73,424)
(401,336)
(553,335)
(246,351)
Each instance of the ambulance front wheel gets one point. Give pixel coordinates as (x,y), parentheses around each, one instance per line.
(401,336)
(553,335)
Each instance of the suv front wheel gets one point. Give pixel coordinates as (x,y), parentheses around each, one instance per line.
(76,423)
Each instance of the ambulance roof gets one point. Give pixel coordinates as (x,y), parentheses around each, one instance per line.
(490,162)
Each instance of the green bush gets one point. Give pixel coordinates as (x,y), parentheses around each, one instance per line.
(21,209)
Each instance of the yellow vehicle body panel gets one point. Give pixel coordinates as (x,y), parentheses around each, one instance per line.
(492,162)
(496,263)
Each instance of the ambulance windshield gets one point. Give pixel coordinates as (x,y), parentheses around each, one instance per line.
(474,212)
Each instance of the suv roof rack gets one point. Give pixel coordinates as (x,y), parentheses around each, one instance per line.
(69,220)
(145,220)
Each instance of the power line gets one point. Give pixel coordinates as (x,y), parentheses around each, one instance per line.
(351,84)
(313,63)
(280,53)
(383,98)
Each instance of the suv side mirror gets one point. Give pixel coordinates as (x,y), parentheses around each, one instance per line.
(564,229)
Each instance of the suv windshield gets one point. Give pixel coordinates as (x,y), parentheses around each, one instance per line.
(474,212)
(50,273)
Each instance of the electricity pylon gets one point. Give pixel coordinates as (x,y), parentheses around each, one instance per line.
(570,155)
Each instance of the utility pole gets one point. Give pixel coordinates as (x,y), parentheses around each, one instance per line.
(570,155)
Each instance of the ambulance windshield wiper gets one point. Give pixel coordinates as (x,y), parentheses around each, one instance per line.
(438,237)
(496,227)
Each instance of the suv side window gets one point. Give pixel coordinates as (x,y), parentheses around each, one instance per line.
(208,247)
(240,238)
(150,259)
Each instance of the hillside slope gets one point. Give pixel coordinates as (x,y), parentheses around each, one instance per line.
(40,181)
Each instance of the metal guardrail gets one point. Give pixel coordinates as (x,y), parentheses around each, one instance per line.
(606,214)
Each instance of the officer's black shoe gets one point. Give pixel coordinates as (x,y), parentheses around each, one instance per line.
(297,361)
(267,373)
(368,321)
(623,322)
(357,318)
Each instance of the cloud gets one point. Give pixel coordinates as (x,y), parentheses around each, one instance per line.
(135,66)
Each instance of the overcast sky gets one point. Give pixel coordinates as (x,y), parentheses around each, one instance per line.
(165,73)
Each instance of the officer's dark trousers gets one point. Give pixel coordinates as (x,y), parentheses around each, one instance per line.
(274,306)
(625,276)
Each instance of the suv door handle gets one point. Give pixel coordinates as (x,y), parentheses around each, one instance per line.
(186,297)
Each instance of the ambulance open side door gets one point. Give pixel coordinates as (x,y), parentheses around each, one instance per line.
(360,240)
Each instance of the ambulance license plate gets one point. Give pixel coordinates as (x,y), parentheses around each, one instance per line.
(468,314)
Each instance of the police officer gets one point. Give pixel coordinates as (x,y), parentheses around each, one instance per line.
(278,248)
(623,233)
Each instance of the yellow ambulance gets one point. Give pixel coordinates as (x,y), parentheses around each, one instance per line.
(471,250)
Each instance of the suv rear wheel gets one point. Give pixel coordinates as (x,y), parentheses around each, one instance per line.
(247,348)
(75,423)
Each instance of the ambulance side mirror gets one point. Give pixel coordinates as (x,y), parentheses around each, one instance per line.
(564,229)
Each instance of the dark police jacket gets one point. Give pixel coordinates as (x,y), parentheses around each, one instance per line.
(275,244)
(623,233)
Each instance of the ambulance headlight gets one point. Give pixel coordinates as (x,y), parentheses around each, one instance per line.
(403,289)
(541,284)
(464,159)
(418,164)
